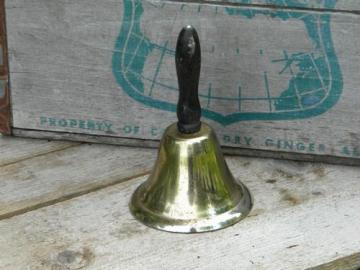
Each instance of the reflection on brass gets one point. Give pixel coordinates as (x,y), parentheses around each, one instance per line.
(190,189)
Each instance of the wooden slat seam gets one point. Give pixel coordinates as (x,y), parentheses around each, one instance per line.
(351,262)
(228,150)
(70,196)
(40,154)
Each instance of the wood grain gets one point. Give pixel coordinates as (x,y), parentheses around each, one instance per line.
(61,175)
(64,80)
(351,262)
(18,149)
(304,215)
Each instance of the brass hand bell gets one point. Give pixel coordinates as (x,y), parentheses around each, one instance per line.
(191,188)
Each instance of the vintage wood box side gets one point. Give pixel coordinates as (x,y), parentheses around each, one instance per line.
(5,114)
(75,77)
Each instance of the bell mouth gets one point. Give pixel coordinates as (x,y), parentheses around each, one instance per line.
(198,225)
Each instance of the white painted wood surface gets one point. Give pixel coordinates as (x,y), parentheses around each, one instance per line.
(62,72)
(304,215)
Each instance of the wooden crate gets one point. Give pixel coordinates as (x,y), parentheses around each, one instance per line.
(279,77)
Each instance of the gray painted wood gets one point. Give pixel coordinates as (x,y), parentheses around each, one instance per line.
(348,263)
(15,149)
(65,72)
(304,215)
(49,178)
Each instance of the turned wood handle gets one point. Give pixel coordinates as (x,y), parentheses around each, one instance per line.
(188,63)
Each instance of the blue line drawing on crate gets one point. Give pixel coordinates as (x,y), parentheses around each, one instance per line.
(315,81)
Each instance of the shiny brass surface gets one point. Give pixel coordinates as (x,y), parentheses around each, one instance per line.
(191,188)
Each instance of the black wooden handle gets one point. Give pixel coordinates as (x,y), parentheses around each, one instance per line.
(188,62)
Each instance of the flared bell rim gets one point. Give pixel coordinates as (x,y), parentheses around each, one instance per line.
(206,224)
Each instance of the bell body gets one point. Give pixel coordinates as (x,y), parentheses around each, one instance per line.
(191,188)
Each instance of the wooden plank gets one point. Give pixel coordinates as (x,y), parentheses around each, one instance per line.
(348,263)
(16,149)
(154,144)
(292,91)
(304,215)
(5,113)
(58,176)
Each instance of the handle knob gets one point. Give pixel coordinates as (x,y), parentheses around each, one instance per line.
(188,63)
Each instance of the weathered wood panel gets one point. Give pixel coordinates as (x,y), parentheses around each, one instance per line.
(348,263)
(304,215)
(13,150)
(60,175)
(278,79)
